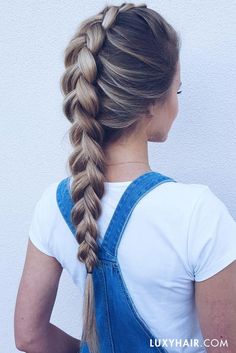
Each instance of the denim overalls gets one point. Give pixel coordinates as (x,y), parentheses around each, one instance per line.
(120,327)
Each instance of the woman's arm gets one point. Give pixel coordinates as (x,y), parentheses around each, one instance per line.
(35,300)
(216,304)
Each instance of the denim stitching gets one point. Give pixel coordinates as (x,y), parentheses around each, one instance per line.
(107,310)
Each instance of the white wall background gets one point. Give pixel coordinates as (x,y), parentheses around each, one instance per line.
(34,145)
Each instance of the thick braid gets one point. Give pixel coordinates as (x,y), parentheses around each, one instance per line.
(87,161)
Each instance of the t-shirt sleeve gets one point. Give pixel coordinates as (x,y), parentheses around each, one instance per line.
(42,221)
(211,236)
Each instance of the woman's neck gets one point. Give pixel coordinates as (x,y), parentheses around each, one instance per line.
(126,160)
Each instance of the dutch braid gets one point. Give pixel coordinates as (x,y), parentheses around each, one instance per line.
(113,73)
(87,161)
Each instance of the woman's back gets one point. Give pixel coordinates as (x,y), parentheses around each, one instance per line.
(176,235)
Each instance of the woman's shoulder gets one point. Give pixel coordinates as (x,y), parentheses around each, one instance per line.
(44,216)
(178,194)
(210,228)
(48,196)
(180,187)
(201,196)
(50,189)
(46,211)
(193,202)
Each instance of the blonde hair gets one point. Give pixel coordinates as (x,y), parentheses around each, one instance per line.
(118,63)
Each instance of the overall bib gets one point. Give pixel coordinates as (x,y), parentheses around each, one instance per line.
(120,327)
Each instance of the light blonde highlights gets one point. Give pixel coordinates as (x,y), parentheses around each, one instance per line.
(117,64)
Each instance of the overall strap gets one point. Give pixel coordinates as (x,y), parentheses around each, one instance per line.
(129,199)
(65,202)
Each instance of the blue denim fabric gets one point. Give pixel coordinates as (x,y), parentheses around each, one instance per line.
(120,327)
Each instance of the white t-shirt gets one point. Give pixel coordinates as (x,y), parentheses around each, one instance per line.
(178,233)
